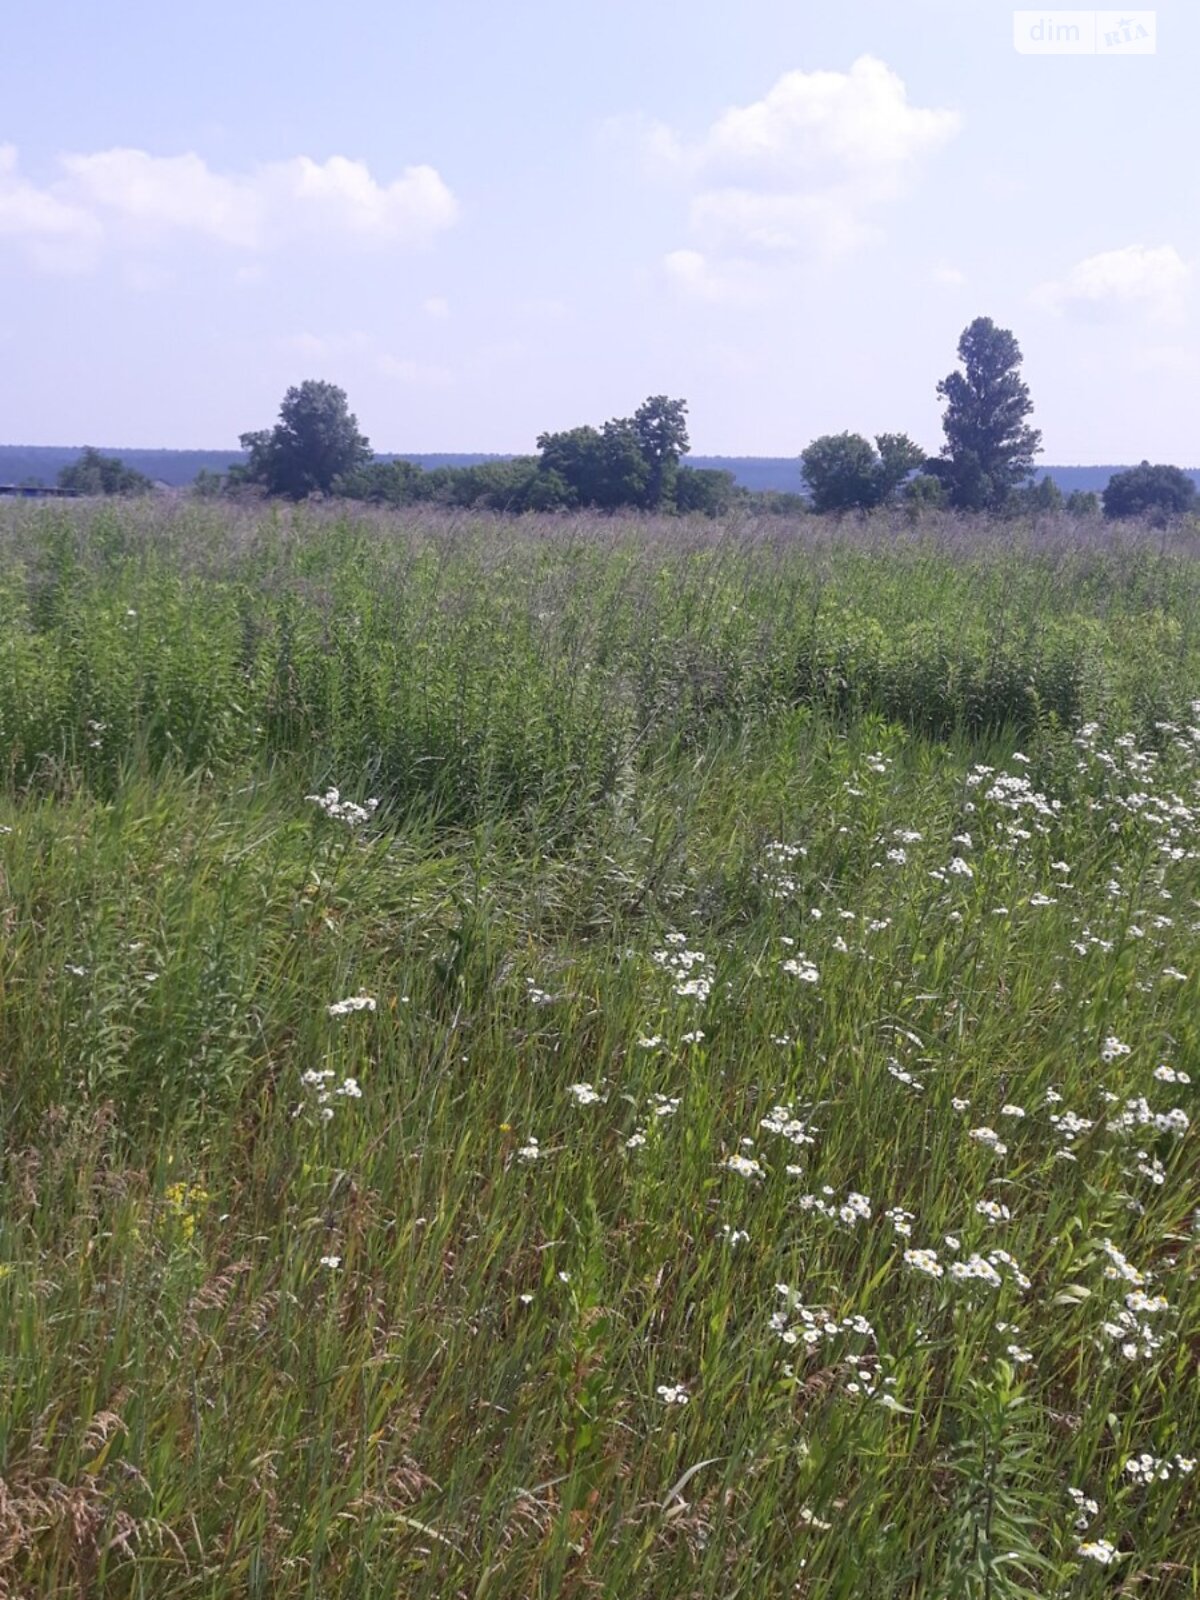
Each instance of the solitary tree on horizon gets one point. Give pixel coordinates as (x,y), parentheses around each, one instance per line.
(315,441)
(989,447)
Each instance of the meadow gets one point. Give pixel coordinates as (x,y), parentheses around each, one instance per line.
(597,1057)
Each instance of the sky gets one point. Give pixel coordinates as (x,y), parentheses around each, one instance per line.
(487,221)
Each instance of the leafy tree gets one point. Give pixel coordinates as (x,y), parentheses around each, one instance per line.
(924,492)
(660,427)
(601,466)
(705,489)
(390,483)
(1044,496)
(989,447)
(517,484)
(630,461)
(94,473)
(840,471)
(626,469)
(1083,503)
(899,458)
(1163,491)
(845,472)
(575,457)
(315,441)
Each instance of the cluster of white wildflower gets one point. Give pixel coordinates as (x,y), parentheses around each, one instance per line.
(1136,1113)
(990,1138)
(1134,1335)
(690,971)
(776,874)
(1070,1125)
(924,1262)
(744,1166)
(783,1120)
(347,811)
(801,967)
(1119,1266)
(321,1090)
(346,1008)
(1085,1508)
(798,1324)
(1146,1469)
(1098,1550)
(901,1221)
(855,1208)
(1168,1074)
(975,1268)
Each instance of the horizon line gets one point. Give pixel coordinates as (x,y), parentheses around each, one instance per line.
(708,455)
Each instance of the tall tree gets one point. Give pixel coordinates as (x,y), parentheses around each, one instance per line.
(989,447)
(315,441)
(660,427)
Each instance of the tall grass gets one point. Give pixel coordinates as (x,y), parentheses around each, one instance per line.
(724,890)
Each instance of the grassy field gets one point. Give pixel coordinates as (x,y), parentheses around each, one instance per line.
(702,1109)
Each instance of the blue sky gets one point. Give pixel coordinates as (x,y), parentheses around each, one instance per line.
(485,221)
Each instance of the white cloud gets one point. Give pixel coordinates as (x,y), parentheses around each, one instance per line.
(437,307)
(804,169)
(57,233)
(342,194)
(320,346)
(813,123)
(125,197)
(951,277)
(419,374)
(691,274)
(821,224)
(164,192)
(1120,283)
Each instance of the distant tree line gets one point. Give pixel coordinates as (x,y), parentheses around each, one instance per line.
(316,447)
(986,462)
(94,473)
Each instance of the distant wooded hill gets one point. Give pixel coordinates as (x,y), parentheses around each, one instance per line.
(177,468)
